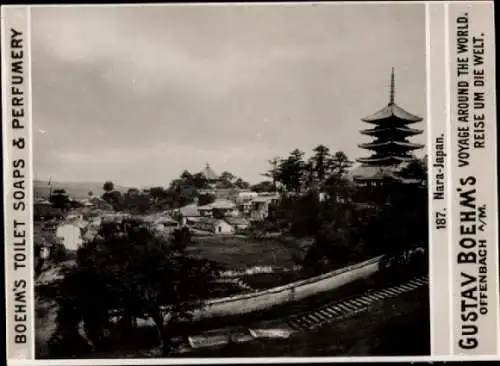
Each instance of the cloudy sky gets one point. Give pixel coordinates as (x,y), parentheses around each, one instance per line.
(137,94)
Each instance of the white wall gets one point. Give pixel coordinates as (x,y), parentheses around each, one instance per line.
(262,300)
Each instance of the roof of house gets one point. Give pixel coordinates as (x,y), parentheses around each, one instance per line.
(165,220)
(265,198)
(220,204)
(157,215)
(237,221)
(247,193)
(190,210)
(209,220)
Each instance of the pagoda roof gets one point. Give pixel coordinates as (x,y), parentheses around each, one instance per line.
(385,160)
(408,145)
(209,173)
(403,129)
(370,173)
(392,110)
(373,172)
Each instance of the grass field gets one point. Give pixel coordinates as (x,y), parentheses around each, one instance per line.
(241,253)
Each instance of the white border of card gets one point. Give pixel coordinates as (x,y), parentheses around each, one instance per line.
(461,139)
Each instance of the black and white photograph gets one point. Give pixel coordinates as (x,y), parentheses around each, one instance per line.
(230,180)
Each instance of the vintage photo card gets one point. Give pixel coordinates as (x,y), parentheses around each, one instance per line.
(250,182)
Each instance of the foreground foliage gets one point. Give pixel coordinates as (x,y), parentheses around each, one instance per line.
(129,273)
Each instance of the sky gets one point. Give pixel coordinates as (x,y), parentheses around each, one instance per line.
(137,94)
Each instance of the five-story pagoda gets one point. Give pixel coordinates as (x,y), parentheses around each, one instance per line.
(391,145)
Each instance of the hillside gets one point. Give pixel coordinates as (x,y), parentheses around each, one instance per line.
(76,190)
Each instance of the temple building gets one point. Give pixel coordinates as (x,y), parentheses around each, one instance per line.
(210,176)
(391,148)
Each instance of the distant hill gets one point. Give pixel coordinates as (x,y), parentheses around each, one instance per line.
(76,190)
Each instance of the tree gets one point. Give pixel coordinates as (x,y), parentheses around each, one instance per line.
(224,184)
(186,176)
(136,202)
(158,194)
(205,199)
(132,192)
(227,176)
(200,181)
(339,188)
(47,213)
(305,214)
(127,267)
(108,186)
(310,178)
(59,199)
(180,239)
(264,186)
(321,163)
(292,171)
(340,163)
(401,223)
(114,198)
(273,172)
(338,240)
(416,169)
(240,183)
(181,193)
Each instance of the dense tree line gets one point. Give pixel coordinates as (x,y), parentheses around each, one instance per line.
(181,191)
(60,200)
(296,173)
(350,223)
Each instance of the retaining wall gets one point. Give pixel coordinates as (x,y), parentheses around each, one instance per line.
(263,300)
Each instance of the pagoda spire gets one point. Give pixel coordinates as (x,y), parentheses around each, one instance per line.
(393,88)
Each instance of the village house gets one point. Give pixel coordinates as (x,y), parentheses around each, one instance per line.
(94,202)
(239,223)
(70,233)
(213,225)
(246,196)
(245,207)
(219,208)
(260,206)
(223,208)
(205,211)
(187,212)
(244,201)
